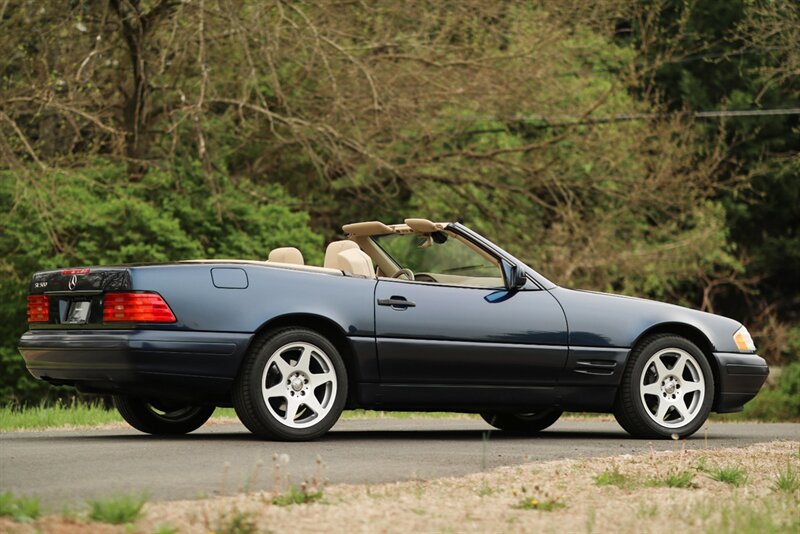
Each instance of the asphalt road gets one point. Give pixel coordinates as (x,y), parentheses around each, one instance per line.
(69,467)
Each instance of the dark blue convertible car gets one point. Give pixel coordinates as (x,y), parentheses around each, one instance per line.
(415,316)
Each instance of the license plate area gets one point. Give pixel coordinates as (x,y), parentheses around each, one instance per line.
(78,312)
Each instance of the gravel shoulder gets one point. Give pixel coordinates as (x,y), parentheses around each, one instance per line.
(511,499)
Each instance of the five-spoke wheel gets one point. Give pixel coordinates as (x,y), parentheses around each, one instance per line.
(672,387)
(292,386)
(667,388)
(299,384)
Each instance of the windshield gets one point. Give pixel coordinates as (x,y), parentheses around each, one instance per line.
(441,258)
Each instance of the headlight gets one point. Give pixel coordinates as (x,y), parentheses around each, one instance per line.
(743,340)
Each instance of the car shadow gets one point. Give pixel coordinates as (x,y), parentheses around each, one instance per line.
(344,436)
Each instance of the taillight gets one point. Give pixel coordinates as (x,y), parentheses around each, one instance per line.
(136,308)
(38,309)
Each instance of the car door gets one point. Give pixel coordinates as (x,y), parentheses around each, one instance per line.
(440,334)
(456,323)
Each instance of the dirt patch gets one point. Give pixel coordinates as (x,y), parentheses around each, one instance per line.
(624,493)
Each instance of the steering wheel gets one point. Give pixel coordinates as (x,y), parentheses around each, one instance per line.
(408,272)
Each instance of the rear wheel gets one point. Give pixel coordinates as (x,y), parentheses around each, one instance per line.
(667,389)
(292,386)
(523,423)
(161,417)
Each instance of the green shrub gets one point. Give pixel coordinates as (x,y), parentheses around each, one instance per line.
(780,402)
(103,217)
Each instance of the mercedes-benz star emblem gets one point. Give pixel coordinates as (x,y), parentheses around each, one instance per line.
(73,282)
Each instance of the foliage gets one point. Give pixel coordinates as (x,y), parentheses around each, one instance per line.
(779,402)
(95,215)
(117,510)
(18,508)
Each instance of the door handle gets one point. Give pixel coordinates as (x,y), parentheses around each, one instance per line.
(396,302)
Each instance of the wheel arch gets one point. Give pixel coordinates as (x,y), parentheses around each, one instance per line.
(696,336)
(323,326)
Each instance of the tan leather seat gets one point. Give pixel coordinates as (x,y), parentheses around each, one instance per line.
(356,261)
(333,250)
(286,255)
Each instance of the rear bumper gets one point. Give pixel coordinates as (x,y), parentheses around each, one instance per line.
(740,378)
(176,364)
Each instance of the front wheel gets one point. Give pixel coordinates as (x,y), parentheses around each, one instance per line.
(292,386)
(667,389)
(523,423)
(161,417)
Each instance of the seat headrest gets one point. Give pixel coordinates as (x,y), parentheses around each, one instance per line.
(334,249)
(286,255)
(356,261)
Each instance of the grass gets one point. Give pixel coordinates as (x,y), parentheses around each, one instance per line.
(544,505)
(58,415)
(93,415)
(18,508)
(236,522)
(770,516)
(295,495)
(117,510)
(376,414)
(612,477)
(674,479)
(733,475)
(787,481)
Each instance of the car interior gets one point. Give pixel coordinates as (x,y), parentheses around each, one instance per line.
(418,250)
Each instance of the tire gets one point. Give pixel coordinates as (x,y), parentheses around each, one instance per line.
(161,417)
(667,389)
(519,423)
(292,386)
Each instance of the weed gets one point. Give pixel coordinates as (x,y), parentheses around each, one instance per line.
(485,490)
(770,516)
(701,464)
(735,475)
(295,495)
(165,529)
(236,522)
(612,477)
(787,481)
(646,510)
(18,508)
(674,479)
(545,505)
(117,510)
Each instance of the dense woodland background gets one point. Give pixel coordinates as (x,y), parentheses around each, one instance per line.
(564,130)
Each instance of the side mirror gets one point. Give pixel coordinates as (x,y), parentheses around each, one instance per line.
(515,276)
